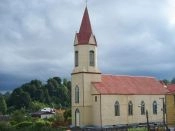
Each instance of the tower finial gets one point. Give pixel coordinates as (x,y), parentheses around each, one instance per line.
(86,3)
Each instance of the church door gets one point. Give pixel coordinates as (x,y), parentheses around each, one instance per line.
(77,117)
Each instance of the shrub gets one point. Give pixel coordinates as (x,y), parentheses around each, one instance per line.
(67,114)
(23,124)
(42,123)
(18,116)
(4,125)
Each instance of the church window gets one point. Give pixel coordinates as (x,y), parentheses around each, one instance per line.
(77,117)
(95,98)
(76,58)
(91,58)
(142,108)
(154,107)
(117,108)
(76,94)
(130,108)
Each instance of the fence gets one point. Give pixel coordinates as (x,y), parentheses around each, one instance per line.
(131,127)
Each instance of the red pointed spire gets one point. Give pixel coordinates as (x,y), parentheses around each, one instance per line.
(85,24)
(85,29)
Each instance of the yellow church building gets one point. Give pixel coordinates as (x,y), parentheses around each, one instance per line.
(100,99)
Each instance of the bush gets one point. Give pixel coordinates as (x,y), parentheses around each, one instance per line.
(67,114)
(23,124)
(4,125)
(18,116)
(42,123)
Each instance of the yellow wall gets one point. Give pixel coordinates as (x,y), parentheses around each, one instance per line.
(170,105)
(82,76)
(83,81)
(107,109)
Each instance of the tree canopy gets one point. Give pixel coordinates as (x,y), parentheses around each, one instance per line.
(55,93)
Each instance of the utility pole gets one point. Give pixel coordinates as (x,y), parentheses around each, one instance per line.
(164,111)
(147,120)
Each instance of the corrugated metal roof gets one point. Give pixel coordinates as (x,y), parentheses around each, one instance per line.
(171,88)
(136,85)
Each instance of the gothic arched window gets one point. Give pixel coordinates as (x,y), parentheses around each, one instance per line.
(77,117)
(76,58)
(154,107)
(142,108)
(117,108)
(77,94)
(91,58)
(130,108)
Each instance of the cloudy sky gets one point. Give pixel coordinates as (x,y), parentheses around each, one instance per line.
(135,37)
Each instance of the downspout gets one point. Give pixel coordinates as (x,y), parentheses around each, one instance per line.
(83,96)
(100,113)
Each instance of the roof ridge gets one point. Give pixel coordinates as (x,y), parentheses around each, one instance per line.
(127,75)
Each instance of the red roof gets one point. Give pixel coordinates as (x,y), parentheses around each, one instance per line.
(136,85)
(171,88)
(85,29)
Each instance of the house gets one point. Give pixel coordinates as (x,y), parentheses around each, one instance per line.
(104,100)
(44,113)
(170,105)
(47,109)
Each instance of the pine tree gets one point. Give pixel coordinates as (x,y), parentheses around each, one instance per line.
(3,105)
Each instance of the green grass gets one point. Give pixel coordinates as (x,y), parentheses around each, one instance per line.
(138,129)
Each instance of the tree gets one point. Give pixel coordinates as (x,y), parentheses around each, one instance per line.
(18,116)
(19,99)
(165,81)
(58,79)
(55,92)
(3,105)
(36,106)
(67,114)
(173,81)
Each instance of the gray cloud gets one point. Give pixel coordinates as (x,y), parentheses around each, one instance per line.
(36,38)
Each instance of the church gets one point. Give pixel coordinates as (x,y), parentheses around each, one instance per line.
(101,99)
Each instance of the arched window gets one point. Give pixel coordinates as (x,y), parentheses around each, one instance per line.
(76,58)
(142,108)
(117,108)
(95,98)
(91,58)
(77,117)
(130,108)
(154,107)
(77,94)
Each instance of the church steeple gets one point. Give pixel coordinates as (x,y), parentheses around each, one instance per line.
(84,73)
(85,46)
(85,31)
(85,24)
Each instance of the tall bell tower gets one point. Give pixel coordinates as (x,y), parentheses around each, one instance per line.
(84,73)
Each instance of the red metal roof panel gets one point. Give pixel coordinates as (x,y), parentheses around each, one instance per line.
(171,88)
(85,29)
(129,85)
